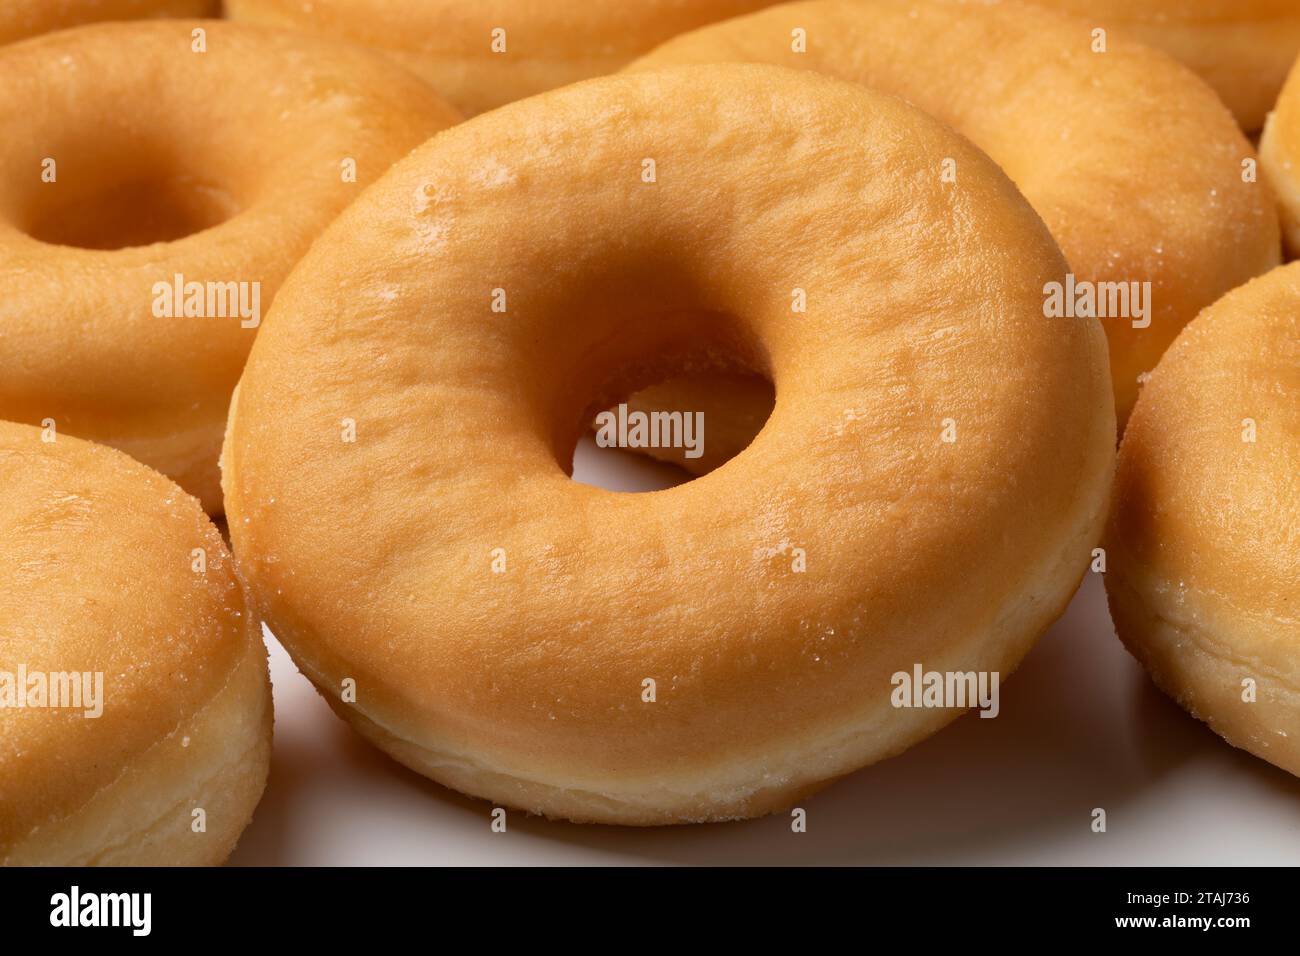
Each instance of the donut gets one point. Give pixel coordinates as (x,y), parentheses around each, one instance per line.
(1203,546)
(135,707)
(27,18)
(1279,154)
(152,198)
(1242,48)
(1135,188)
(481,54)
(926,491)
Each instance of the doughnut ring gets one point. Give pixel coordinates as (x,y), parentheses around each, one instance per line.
(1242,48)
(715,650)
(1134,189)
(28,18)
(135,707)
(153,204)
(1204,540)
(1279,152)
(481,54)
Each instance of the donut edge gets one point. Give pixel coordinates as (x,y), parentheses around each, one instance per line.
(1279,170)
(231,734)
(738,790)
(1188,658)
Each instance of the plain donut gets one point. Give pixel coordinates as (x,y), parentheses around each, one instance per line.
(413,527)
(130,159)
(1132,162)
(1242,48)
(1204,541)
(20,19)
(1279,152)
(481,54)
(110,569)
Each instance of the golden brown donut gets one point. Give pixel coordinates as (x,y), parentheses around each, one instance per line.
(1132,162)
(1242,48)
(481,54)
(27,18)
(1204,541)
(413,537)
(130,160)
(1279,153)
(119,603)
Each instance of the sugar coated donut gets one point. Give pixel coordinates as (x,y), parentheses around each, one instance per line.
(1204,542)
(135,708)
(1242,48)
(483,53)
(1133,163)
(1279,151)
(157,181)
(926,490)
(27,18)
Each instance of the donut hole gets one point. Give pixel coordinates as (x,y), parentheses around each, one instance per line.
(122,201)
(660,382)
(673,425)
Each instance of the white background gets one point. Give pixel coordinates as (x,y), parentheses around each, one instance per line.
(1080,727)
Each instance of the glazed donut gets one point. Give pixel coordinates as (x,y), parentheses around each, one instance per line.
(1242,48)
(130,160)
(27,18)
(1135,188)
(481,54)
(1204,542)
(715,650)
(135,707)
(1279,154)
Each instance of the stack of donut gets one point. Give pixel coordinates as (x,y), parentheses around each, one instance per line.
(921,261)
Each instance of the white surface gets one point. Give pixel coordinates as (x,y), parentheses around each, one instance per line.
(1080,727)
